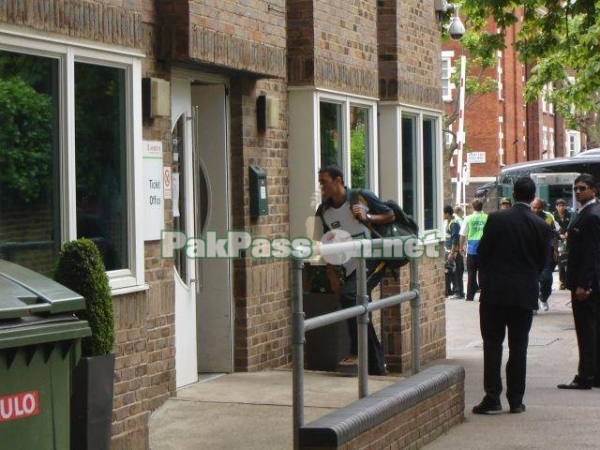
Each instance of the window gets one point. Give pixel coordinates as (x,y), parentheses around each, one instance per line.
(420,168)
(409,164)
(447,71)
(573,143)
(430,178)
(446,94)
(346,139)
(545,141)
(66,142)
(547,107)
(100,163)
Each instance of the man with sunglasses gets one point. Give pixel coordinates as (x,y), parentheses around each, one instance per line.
(583,280)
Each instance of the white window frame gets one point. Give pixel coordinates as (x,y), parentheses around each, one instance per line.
(68,53)
(420,115)
(447,58)
(573,142)
(346,103)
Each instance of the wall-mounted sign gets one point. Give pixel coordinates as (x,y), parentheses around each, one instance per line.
(168,182)
(153,197)
(476,157)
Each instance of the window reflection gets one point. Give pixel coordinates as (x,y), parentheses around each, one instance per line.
(100,151)
(29,204)
(429,173)
(331,134)
(359,138)
(409,163)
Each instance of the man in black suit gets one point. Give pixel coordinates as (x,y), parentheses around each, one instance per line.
(583,280)
(512,253)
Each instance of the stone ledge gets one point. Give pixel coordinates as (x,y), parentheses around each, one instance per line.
(347,423)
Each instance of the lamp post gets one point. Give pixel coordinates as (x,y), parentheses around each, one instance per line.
(460,135)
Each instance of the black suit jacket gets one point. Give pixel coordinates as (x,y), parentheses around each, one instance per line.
(583,242)
(512,253)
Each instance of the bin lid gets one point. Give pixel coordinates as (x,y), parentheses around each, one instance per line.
(24,292)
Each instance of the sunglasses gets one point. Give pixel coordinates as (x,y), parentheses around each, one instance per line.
(580,188)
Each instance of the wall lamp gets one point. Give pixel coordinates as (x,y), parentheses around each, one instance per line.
(456,29)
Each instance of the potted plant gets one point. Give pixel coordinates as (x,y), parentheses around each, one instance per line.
(80,268)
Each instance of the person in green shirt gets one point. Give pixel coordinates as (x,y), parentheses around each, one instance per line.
(470,233)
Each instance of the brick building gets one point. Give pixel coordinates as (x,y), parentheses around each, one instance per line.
(500,129)
(149,117)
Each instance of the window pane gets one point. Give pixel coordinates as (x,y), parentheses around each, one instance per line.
(331,134)
(359,141)
(445,78)
(100,159)
(409,162)
(29,206)
(429,174)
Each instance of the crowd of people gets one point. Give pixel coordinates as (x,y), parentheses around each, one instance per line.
(514,252)
(464,234)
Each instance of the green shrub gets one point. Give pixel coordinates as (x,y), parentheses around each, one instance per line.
(80,268)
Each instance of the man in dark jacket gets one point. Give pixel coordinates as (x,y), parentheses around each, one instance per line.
(583,280)
(512,252)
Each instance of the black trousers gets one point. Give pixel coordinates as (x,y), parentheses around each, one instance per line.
(494,320)
(472,276)
(347,300)
(458,275)
(546,280)
(586,314)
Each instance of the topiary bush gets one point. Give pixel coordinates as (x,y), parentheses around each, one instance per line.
(80,268)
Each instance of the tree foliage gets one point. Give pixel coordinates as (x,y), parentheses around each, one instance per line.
(25,142)
(560,41)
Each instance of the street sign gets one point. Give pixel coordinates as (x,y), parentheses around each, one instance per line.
(476,157)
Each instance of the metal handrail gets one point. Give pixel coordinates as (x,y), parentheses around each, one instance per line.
(300,325)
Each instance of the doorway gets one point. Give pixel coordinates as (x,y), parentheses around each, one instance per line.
(203,292)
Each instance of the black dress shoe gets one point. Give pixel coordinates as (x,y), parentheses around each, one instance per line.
(487,406)
(576,384)
(518,409)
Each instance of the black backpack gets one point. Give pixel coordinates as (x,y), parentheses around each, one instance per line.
(402,226)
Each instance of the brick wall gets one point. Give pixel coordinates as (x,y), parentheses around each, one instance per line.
(111,22)
(405,415)
(333,44)
(249,36)
(261,286)
(417,426)
(409,53)
(397,320)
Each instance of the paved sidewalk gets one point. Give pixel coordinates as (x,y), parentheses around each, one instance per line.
(555,419)
(253,410)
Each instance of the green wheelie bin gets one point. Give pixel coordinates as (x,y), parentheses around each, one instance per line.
(40,344)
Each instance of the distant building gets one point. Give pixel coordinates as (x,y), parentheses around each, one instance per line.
(500,129)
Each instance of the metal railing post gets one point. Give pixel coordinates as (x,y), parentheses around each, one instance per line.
(363,328)
(298,338)
(360,312)
(415,304)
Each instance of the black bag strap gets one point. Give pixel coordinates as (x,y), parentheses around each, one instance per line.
(354,196)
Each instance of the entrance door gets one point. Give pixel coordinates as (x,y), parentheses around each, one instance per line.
(203,299)
(215,304)
(186,364)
